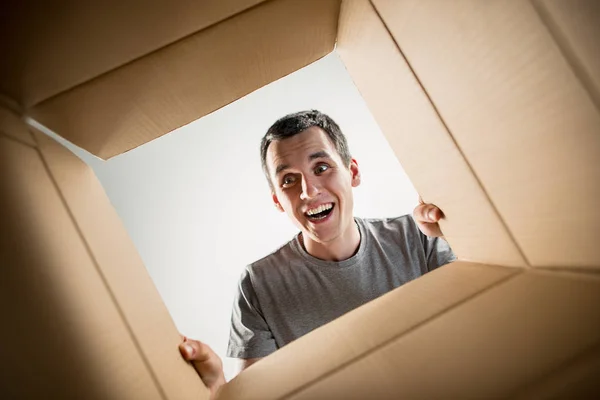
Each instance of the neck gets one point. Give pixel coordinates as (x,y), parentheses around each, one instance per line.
(341,248)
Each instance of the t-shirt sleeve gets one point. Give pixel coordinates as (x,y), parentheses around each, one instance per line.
(250,336)
(437,252)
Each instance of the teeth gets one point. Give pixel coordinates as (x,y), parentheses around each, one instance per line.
(319,209)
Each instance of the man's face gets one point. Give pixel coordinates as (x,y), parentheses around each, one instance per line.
(312,184)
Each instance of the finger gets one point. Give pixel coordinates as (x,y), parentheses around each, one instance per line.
(193,350)
(186,350)
(428,213)
(206,362)
(431,229)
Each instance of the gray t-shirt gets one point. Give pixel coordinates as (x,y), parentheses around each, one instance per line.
(289,293)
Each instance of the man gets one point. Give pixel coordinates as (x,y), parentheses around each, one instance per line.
(336,263)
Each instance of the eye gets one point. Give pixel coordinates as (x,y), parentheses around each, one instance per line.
(321,168)
(288,180)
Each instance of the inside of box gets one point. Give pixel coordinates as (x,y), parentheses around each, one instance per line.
(503,96)
(155,71)
(186,199)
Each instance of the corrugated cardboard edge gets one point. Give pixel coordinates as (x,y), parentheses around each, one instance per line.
(352,337)
(163,91)
(519,113)
(502,341)
(63,335)
(53,60)
(123,272)
(421,141)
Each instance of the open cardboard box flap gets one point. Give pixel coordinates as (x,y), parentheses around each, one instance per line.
(158,66)
(491,107)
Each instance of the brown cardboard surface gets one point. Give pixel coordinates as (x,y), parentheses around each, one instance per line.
(122,271)
(12,125)
(492,346)
(519,113)
(48,48)
(62,334)
(490,106)
(574,27)
(578,379)
(9,103)
(420,140)
(363,331)
(182,82)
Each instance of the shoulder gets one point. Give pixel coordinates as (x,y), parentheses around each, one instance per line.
(273,261)
(404,224)
(395,231)
(269,274)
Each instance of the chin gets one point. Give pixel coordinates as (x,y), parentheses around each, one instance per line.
(325,237)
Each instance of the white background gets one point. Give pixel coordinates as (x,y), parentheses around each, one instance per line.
(198,208)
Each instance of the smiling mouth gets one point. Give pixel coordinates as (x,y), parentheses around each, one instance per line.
(323,212)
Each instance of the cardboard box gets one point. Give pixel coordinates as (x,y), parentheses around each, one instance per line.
(493,109)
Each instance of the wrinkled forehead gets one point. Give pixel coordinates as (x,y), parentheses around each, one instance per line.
(295,151)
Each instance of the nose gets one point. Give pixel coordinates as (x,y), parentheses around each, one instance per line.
(310,188)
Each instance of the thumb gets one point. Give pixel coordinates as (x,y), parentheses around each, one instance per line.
(206,362)
(427,213)
(194,350)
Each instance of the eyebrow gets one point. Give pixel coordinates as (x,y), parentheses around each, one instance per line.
(313,156)
(318,154)
(280,168)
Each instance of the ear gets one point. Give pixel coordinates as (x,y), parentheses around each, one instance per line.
(355,173)
(276,202)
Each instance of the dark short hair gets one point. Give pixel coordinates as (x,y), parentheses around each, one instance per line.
(296,123)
